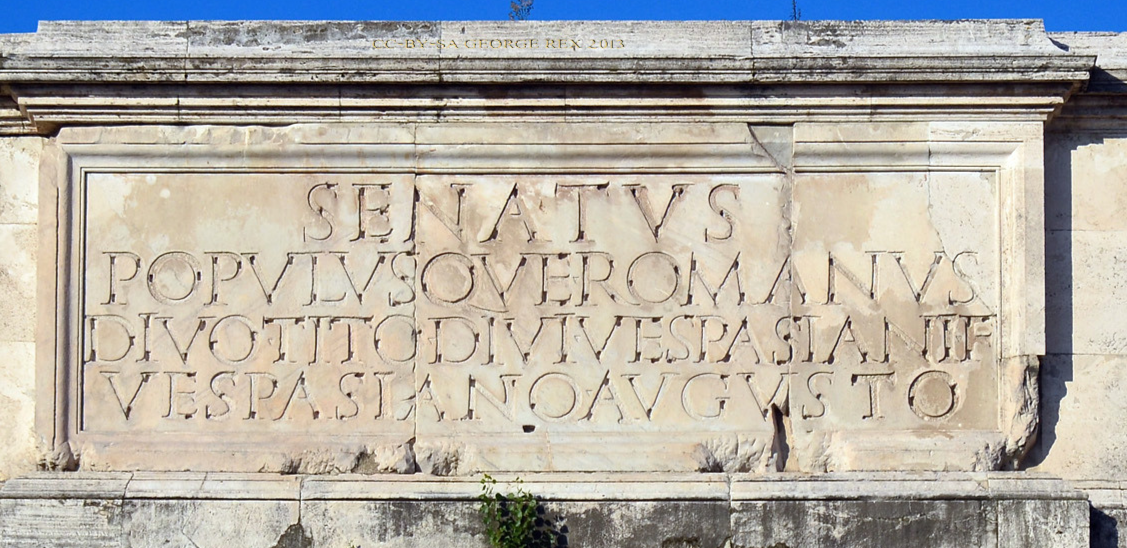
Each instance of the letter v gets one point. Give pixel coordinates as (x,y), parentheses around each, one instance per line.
(182,350)
(641,197)
(649,408)
(126,409)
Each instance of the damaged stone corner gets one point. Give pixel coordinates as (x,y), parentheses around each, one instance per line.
(1020,419)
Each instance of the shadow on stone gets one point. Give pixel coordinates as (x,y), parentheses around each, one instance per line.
(294,537)
(1105,530)
(551,530)
(1057,366)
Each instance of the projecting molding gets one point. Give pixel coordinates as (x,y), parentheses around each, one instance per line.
(757,71)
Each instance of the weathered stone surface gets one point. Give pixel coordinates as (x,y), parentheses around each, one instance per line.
(263,326)
(18,441)
(427,250)
(716,511)
(670,524)
(60,522)
(393,524)
(432,71)
(19,179)
(780,48)
(1085,181)
(1082,417)
(19,195)
(1087,360)
(1087,176)
(194,523)
(990,511)
(18,244)
(1041,522)
(1090,290)
(864,523)
(1108,512)
(298,300)
(1105,527)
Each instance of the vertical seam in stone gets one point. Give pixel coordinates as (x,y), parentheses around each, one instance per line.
(438,70)
(123,517)
(300,499)
(64,353)
(415,312)
(787,214)
(731,507)
(755,138)
(751,57)
(340,102)
(184,66)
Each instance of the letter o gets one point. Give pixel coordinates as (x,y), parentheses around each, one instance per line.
(378,337)
(650,292)
(538,387)
(213,340)
(933,395)
(184,278)
(448,266)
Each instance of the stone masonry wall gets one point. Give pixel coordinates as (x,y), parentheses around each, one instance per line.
(19,197)
(1082,377)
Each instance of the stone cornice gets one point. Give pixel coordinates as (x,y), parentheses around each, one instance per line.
(651,52)
(79,73)
(1102,103)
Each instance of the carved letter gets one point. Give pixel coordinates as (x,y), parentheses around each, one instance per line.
(581,207)
(454,225)
(113,255)
(379,211)
(874,399)
(549,408)
(184,279)
(216,277)
(720,401)
(713,202)
(322,213)
(641,197)
(933,395)
(92,334)
(513,210)
(127,408)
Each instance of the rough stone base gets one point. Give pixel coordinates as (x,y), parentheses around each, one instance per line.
(711,511)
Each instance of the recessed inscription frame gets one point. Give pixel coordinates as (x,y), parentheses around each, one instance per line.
(642,173)
(118,447)
(1011,155)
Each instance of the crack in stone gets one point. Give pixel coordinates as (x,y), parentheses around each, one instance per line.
(782,442)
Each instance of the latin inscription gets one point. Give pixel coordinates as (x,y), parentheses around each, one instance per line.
(449,306)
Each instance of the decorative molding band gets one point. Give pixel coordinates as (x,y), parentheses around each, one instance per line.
(190,72)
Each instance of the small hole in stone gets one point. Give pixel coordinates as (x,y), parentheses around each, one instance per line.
(528,428)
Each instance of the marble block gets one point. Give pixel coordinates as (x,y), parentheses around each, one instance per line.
(326,299)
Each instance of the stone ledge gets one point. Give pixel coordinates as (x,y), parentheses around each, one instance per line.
(548,486)
(1001,510)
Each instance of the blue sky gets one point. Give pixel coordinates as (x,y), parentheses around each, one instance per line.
(1059,15)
